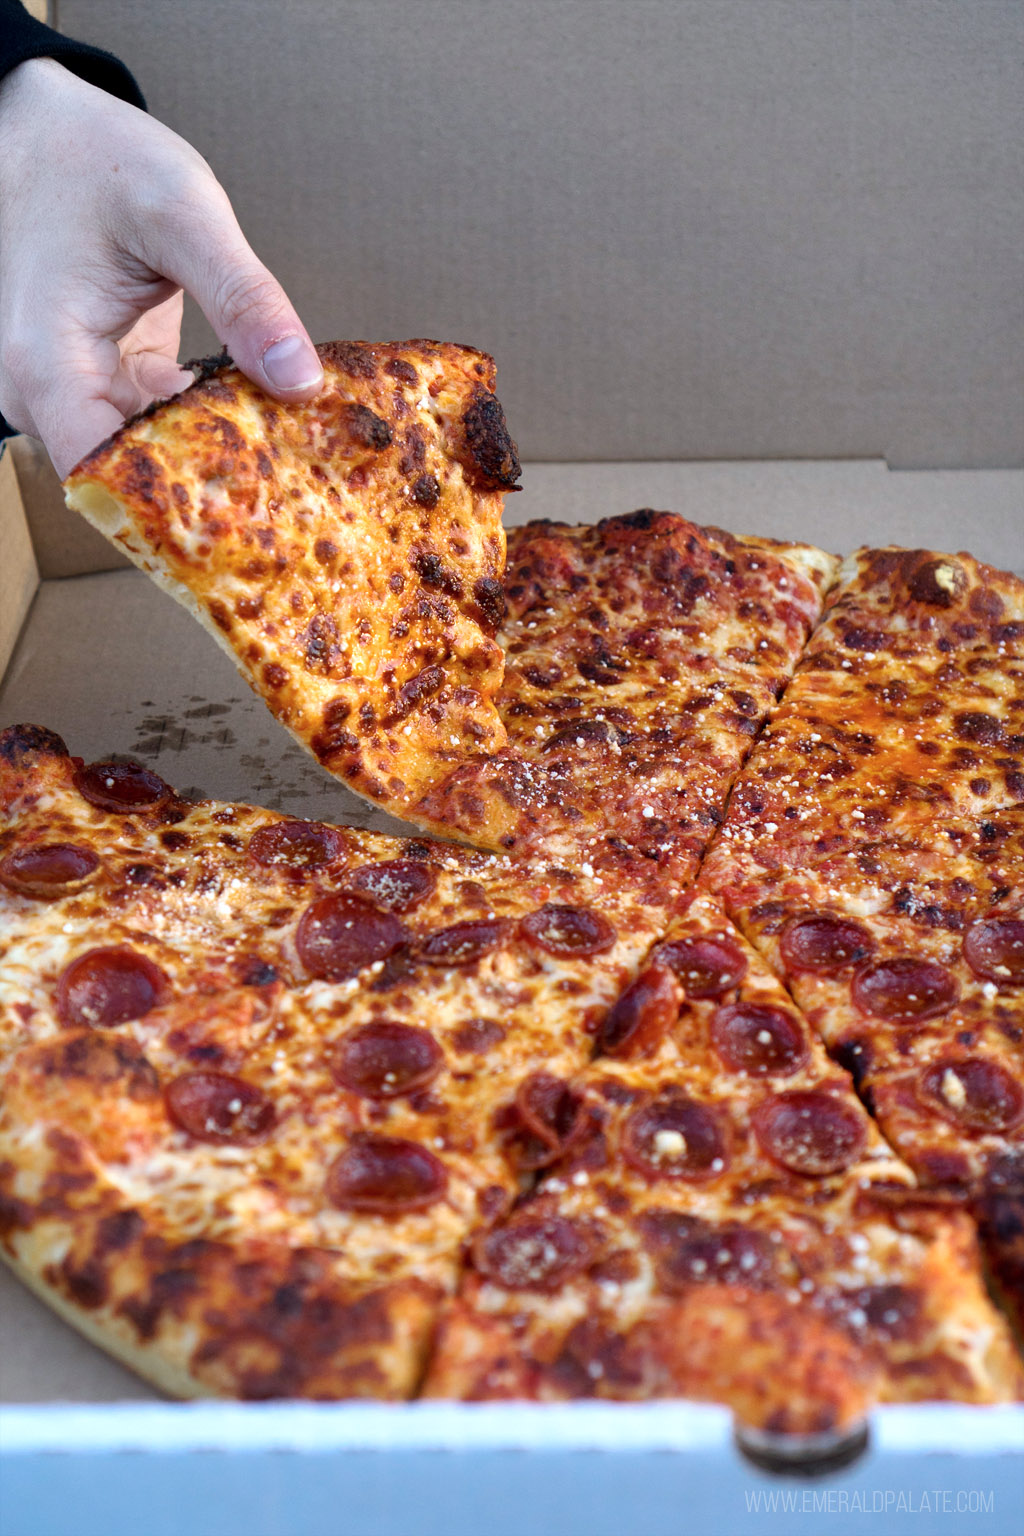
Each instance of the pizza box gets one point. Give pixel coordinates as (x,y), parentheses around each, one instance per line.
(96,653)
(733,259)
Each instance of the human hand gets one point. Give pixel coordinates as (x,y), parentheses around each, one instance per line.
(105,217)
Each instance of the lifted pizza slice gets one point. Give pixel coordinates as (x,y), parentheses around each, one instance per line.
(346,553)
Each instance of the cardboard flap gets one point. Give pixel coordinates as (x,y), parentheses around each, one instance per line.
(64,543)
(19,575)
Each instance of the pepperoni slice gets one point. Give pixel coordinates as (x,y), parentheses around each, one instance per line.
(549,1119)
(690,1251)
(820,942)
(383,1060)
(478,1036)
(673,1137)
(534,1254)
(463,943)
(758,1039)
(385,1176)
(340,934)
(810,1132)
(107,986)
(217,1107)
(47,870)
(993,948)
(641,1018)
(972,1091)
(905,990)
(297,845)
(123,787)
(397,885)
(573,931)
(706,967)
(891,1311)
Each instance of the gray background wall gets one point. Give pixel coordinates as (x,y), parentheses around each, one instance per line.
(685,228)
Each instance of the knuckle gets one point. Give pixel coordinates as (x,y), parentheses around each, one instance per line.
(242,294)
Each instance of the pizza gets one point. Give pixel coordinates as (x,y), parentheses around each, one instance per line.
(698,1073)
(904,720)
(642,657)
(346,553)
(891,899)
(262,1077)
(726,1222)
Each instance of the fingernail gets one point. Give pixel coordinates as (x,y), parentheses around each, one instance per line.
(291,364)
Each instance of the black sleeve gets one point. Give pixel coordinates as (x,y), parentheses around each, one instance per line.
(22,37)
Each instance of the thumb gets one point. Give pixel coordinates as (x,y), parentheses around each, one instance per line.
(206,253)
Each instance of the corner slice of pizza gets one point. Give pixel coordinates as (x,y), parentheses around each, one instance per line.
(726,1223)
(905,717)
(922,998)
(643,654)
(347,553)
(260,1078)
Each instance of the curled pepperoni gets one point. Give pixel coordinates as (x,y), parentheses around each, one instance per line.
(548,1116)
(758,1039)
(820,942)
(462,943)
(639,1020)
(706,967)
(572,931)
(47,870)
(217,1107)
(339,934)
(673,1137)
(383,1060)
(810,1132)
(534,1254)
(108,986)
(905,990)
(690,1251)
(298,845)
(993,948)
(123,787)
(385,1176)
(396,884)
(972,1091)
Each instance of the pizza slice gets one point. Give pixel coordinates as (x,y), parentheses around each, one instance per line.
(642,656)
(276,1070)
(905,717)
(347,553)
(726,1223)
(923,1001)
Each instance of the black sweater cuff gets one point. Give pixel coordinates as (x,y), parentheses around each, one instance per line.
(22,38)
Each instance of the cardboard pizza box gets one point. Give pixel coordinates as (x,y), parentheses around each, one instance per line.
(759,263)
(94,651)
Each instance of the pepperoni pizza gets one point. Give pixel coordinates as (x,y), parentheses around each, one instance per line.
(262,1077)
(726,1222)
(642,656)
(891,897)
(278,1096)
